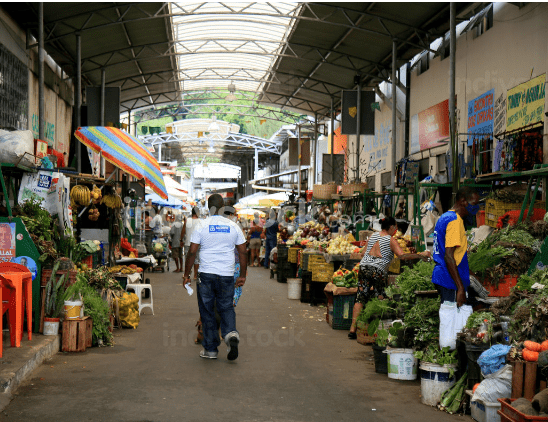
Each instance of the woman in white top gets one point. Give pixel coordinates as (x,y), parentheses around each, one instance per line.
(381,248)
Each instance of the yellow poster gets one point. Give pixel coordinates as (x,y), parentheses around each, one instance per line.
(525,103)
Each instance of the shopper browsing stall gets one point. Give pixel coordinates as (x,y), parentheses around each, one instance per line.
(271,231)
(381,248)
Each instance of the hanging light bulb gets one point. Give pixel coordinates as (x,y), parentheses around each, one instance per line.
(231,89)
(213,126)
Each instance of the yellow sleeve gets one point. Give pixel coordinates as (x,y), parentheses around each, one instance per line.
(454,234)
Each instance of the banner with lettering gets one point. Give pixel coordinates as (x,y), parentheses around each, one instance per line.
(525,103)
(480,116)
(434,125)
(7,242)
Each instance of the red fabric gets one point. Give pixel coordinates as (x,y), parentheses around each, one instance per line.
(59,155)
(127,246)
(513,216)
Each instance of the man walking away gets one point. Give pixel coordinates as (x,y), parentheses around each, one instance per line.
(271,230)
(177,235)
(190,226)
(217,239)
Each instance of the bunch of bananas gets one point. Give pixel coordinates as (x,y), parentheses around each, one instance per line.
(96,194)
(80,195)
(112,200)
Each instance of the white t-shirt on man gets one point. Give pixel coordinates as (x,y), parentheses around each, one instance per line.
(217,237)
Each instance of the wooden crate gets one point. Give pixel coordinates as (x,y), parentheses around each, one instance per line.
(77,334)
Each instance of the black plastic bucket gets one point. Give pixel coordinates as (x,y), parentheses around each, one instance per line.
(381,359)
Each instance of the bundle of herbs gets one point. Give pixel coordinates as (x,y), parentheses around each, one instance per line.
(526,282)
(479,328)
(94,307)
(421,324)
(506,196)
(418,278)
(433,354)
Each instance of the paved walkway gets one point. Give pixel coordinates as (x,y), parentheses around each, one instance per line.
(292,367)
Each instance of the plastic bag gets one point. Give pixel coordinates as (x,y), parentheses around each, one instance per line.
(493,359)
(495,386)
(452,321)
(17,147)
(128,309)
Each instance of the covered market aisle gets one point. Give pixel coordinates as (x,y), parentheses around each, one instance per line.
(292,367)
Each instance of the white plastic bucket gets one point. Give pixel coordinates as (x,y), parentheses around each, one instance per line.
(294,288)
(402,365)
(72,309)
(435,380)
(51,326)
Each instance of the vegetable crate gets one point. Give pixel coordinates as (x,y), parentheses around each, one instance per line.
(77,334)
(507,283)
(322,272)
(282,250)
(306,287)
(292,255)
(483,411)
(363,336)
(315,259)
(495,209)
(510,414)
(524,380)
(342,311)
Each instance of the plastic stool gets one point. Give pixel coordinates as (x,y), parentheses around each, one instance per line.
(137,288)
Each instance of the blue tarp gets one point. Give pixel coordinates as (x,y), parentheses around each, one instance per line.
(171,201)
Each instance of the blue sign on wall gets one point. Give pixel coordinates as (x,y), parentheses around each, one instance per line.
(480,116)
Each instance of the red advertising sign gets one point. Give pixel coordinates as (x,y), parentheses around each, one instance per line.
(434,125)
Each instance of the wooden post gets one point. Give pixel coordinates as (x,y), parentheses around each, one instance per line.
(530,380)
(517,380)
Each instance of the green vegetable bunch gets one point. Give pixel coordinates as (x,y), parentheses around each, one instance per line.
(452,399)
(94,307)
(376,309)
(525,282)
(485,257)
(434,354)
(422,323)
(411,280)
(477,318)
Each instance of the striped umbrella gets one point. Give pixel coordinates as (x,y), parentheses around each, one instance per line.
(125,152)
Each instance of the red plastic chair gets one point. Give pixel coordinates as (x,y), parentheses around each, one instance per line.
(16,284)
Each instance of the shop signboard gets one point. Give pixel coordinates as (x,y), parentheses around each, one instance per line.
(525,103)
(414,145)
(480,116)
(376,149)
(434,125)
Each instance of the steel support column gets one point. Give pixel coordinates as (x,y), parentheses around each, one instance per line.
(256,163)
(41,94)
(315,148)
(78,99)
(394,116)
(358,127)
(332,129)
(299,160)
(103,81)
(452,122)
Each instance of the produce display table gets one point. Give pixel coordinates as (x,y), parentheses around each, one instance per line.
(145,262)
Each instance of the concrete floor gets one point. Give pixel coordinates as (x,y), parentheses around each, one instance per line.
(292,367)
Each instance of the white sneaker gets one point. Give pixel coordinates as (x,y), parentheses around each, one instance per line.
(232,340)
(208,355)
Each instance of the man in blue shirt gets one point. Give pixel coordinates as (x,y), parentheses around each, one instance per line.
(451,274)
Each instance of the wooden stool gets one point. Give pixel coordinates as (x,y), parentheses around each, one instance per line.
(77,334)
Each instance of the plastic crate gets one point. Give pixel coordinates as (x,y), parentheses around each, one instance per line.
(315,259)
(506,284)
(483,411)
(322,272)
(495,209)
(306,287)
(292,255)
(508,413)
(473,352)
(342,311)
(480,218)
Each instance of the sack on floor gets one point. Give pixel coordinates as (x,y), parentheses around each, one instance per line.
(128,308)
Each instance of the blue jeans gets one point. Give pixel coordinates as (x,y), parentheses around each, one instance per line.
(270,244)
(216,289)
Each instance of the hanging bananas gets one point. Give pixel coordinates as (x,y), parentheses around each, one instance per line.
(80,195)
(96,194)
(112,200)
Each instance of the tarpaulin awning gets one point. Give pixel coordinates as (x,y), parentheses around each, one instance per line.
(125,152)
(170,202)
